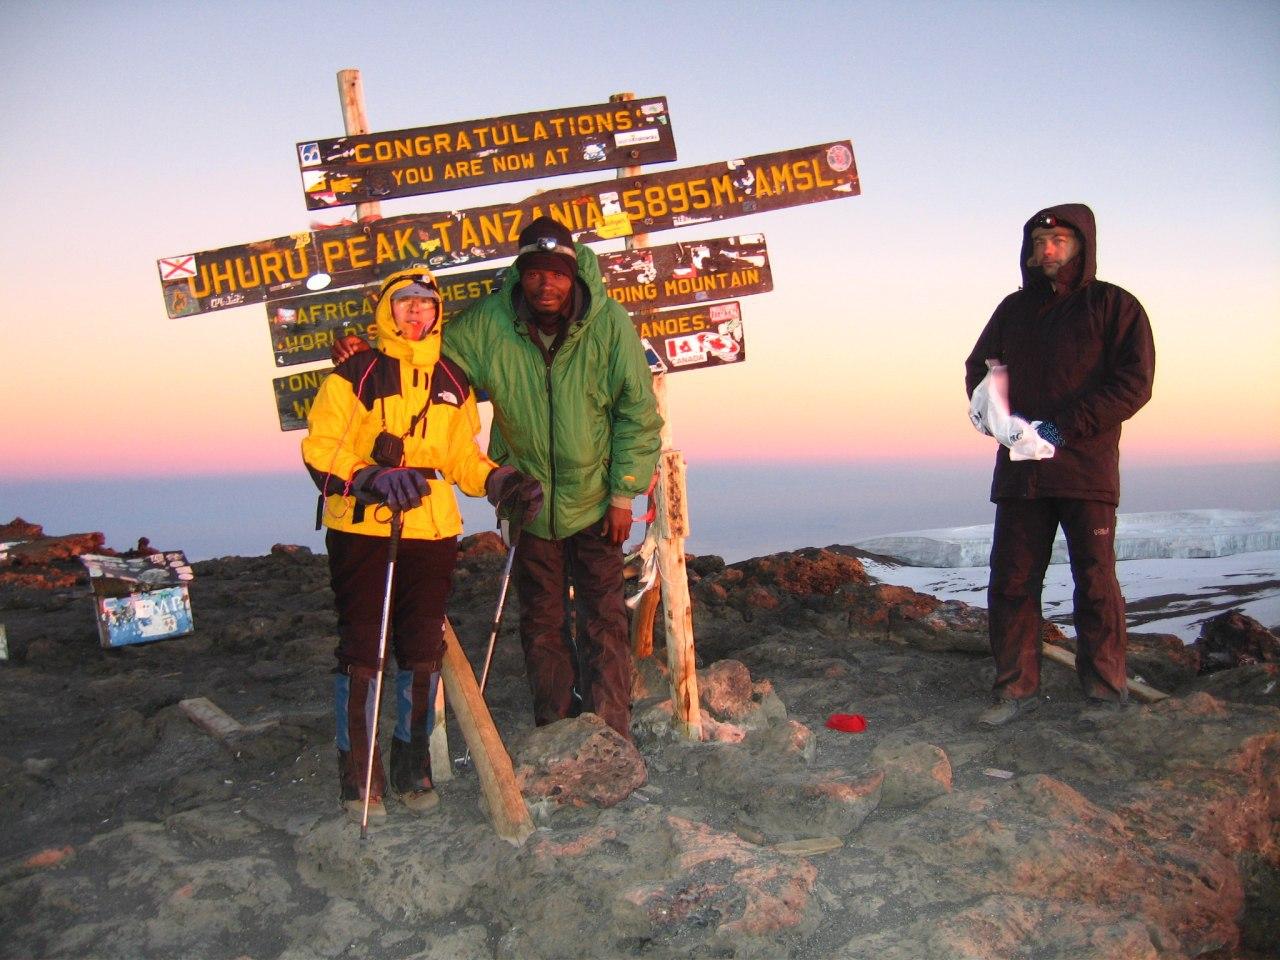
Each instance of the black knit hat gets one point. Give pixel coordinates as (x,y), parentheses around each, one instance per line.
(546,244)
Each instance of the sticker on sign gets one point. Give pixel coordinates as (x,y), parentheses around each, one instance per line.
(636,136)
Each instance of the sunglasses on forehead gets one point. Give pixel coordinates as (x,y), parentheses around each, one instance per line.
(426,279)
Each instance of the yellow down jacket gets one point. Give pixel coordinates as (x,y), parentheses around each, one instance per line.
(406,389)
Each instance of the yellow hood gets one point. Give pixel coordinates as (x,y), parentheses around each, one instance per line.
(421,353)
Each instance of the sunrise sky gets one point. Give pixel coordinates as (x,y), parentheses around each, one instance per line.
(141,130)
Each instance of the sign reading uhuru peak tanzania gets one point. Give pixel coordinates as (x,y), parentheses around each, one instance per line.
(403,163)
(303,329)
(350,255)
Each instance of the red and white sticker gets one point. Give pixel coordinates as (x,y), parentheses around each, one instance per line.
(178,268)
(839,157)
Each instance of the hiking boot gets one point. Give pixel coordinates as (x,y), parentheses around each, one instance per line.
(1005,711)
(355,810)
(411,774)
(419,801)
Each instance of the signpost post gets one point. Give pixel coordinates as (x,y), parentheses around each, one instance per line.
(672,522)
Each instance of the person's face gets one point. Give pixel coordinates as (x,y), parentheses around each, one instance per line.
(546,291)
(1052,247)
(414,316)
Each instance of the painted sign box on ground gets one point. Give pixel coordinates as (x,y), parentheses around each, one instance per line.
(347,256)
(140,599)
(472,153)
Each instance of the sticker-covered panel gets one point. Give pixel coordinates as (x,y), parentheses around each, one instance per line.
(692,338)
(303,329)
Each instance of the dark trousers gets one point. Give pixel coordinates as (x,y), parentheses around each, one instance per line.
(423,578)
(1020,551)
(544,570)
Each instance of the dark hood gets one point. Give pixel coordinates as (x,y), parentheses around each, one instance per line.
(1078,216)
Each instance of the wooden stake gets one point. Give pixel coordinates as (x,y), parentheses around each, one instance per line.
(502,796)
(1145,693)
(351,95)
(673,520)
(642,621)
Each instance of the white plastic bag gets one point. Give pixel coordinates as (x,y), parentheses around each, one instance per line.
(989,414)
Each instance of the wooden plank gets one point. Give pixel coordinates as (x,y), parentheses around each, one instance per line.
(441,761)
(354,254)
(642,622)
(1142,691)
(210,718)
(366,166)
(502,796)
(809,846)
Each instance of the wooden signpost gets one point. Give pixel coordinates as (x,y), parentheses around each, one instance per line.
(303,278)
(405,163)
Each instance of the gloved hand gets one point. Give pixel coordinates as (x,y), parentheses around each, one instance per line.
(400,488)
(1048,430)
(514,494)
(344,348)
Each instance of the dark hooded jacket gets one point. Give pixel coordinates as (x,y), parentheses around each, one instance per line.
(1083,359)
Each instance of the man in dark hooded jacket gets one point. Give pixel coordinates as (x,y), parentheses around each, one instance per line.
(1080,360)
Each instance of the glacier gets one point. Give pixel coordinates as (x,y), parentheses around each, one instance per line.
(1162,535)
(1179,569)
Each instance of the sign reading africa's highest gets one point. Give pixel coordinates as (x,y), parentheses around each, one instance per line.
(405,163)
(345,256)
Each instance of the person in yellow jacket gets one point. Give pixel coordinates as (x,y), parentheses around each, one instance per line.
(390,431)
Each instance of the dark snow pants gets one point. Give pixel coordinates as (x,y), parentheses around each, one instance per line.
(423,578)
(544,570)
(1020,551)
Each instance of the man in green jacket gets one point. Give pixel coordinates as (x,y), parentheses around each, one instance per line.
(573,407)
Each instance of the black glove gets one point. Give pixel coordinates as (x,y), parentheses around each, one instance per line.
(1049,431)
(400,488)
(1046,430)
(514,494)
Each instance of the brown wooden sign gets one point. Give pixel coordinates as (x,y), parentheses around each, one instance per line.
(685,338)
(405,163)
(350,255)
(295,394)
(303,329)
(691,338)
(691,271)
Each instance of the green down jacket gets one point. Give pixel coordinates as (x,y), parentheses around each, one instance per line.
(587,427)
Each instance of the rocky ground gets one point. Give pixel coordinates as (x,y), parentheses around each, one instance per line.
(129,831)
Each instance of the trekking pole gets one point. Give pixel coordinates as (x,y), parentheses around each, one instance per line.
(371,723)
(464,761)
